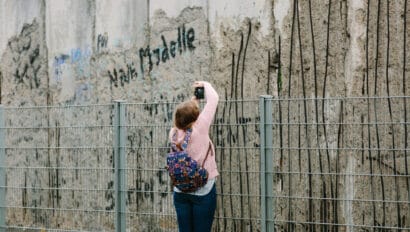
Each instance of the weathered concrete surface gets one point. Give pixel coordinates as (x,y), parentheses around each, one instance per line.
(120,25)
(85,52)
(231,13)
(69,42)
(13,15)
(173,8)
(24,68)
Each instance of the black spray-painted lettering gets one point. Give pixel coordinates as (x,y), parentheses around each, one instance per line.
(27,69)
(183,37)
(165,54)
(184,41)
(172,48)
(102,41)
(190,38)
(145,53)
(122,76)
(157,54)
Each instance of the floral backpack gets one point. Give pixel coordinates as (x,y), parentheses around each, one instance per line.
(186,174)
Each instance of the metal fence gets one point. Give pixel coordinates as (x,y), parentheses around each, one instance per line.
(341,164)
(335,164)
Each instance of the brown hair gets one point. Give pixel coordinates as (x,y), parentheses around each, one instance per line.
(186,114)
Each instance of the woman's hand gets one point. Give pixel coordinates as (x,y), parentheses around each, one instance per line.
(198,84)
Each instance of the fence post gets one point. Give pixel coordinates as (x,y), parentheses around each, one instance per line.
(119,165)
(2,173)
(266,163)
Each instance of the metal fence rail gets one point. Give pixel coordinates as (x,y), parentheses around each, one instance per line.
(334,164)
(341,164)
(58,167)
(150,194)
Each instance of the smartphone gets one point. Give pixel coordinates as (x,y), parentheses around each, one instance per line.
(199,92)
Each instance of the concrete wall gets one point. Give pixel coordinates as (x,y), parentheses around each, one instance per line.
(95,51)
(86,42)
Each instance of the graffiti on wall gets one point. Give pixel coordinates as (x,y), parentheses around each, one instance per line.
(121,76)
(77,60)
(149,58)
(59,66)
(102,41)
(184,40)
(25,51)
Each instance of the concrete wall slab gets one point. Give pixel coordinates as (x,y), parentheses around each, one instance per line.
(231,13)
(13,15)
(120,24)
(173,8)
(69,40)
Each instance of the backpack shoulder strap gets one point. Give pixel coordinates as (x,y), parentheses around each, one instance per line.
(184,145)
(207,153)
(173,142)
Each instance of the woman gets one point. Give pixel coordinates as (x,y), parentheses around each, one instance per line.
(195,210)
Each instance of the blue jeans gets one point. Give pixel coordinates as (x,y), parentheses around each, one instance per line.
(195,213)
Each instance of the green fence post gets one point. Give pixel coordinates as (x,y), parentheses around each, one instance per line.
(120,166)
(266,163)
(2,173)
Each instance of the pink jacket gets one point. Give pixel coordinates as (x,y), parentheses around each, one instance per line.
(199,142)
